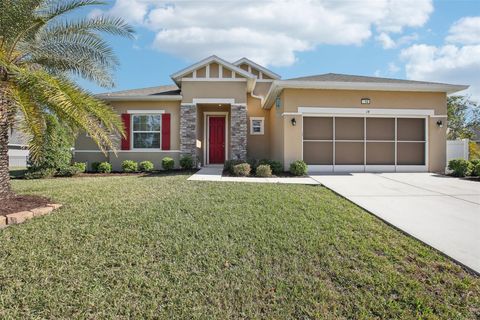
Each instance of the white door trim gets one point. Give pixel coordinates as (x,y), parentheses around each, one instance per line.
(206,133)
(339,112)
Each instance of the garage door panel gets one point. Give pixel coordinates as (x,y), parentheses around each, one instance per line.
(411,129)
(380,129)
(349,153)
(349,129)
(380,153)
(410,153)
(317,128)
(318,153)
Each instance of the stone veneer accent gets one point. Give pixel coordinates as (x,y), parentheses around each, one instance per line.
(188,129)
(239,131)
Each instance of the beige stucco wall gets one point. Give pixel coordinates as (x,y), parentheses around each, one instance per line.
(85,143)
(261,88)
(276,131)
(258,146)
(214,89)
(294,98)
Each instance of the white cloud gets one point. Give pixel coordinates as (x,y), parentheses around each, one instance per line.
(465,31)
(388,43)
(393,68)
(271,32)
(447,63)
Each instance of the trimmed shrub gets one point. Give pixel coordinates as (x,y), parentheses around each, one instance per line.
(81,166)
(263,170)
(229,164)
(129,166)
(186,162)
(146,166)
(69,171)
(242,170)
(104,167)
(276,166)
(476,169)
(460,167)
(168,163)
(40,173)
(95,166)
(298,168)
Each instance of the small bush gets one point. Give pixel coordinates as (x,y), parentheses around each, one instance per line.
(146,166)
(186,162)
(69,171)
(264,170)
(95,166)
(476,169)
(242,170)
(460,167)
(129,166)
(104,167)
(168,163)
(81,166)
(276,166)
(229,164)
(298,168)
(40,174)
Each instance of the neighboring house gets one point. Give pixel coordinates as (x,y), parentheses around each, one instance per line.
(17,149)
(218,110)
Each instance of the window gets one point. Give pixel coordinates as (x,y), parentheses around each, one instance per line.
(257,125)
(146,131)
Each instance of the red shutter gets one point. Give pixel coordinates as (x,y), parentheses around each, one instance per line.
(166,131)
(126,125)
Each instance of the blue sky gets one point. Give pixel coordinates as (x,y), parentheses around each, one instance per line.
(413,39)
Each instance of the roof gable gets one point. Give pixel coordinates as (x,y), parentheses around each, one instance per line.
(270,75)
(199,66)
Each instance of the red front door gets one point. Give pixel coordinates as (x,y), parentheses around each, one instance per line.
(216,140)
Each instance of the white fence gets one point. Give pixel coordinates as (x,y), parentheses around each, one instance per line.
(17,157)
(457,149)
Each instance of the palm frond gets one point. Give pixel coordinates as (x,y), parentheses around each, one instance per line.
(50,9)
(73,106)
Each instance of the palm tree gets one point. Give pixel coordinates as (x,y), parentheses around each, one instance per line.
(41,48)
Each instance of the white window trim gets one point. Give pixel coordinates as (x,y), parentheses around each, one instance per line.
(262,127)
(132,132)
(145,112)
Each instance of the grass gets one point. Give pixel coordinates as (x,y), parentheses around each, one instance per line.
(164,247)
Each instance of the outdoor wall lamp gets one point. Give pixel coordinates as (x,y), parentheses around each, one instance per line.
(294,122)
(440,123)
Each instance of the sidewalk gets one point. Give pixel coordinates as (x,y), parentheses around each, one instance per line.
(214,173)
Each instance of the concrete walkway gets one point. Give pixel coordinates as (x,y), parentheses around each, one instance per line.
(214,173)
(441,211)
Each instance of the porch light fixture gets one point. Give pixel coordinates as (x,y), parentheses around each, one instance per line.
(365,101)
(294,122)
(440,123)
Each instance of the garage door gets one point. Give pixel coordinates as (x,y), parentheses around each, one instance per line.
(371,144)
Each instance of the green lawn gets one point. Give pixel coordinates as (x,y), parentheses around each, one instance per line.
(164,247)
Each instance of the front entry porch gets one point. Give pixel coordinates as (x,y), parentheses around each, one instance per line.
(213,132)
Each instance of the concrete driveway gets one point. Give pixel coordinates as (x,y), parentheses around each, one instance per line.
(441,211)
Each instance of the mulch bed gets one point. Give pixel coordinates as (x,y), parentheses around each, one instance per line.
(280,175)
(22,203)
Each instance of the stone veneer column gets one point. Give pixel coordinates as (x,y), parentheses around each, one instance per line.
(188,129)
(239,131)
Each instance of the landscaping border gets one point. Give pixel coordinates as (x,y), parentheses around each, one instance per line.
(22,216)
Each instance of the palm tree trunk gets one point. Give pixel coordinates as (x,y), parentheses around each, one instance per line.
(5,190)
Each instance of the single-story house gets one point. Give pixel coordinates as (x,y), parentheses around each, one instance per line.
(218,110)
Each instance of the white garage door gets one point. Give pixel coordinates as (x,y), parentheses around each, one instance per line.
(364,144)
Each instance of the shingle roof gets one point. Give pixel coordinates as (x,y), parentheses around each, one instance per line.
(336,77)
(152,91)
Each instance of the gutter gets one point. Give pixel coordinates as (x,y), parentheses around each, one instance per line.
(107,97)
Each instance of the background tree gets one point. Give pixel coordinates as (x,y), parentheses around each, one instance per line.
(41,47)
(463,118)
